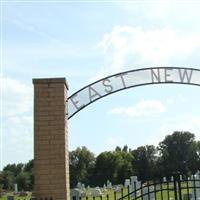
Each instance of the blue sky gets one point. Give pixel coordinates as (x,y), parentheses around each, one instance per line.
(84,41)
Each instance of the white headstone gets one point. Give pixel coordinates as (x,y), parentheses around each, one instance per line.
(164,179)
(196,186)
(134,178)
(127,183)
(150,195)
(135,184)
(79,185)
(83,186)
(16,188)
(96,192)
(104,188)
(117,189)
(109,184)
(76,193)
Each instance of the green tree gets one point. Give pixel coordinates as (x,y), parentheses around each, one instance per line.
(144,162)
(114,166)
(7,180)
(177,152)
(28,168)
(194,158)
(81,163)
(14,168)
(23,180)
(105,168)
(124,165)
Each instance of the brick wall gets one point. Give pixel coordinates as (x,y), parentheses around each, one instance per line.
(51,162)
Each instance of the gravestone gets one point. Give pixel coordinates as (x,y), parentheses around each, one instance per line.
(16,188)
(196,183)
(117,189)
(158,186)
(135,184)
(127,183)
(10,197)
(104,188)
(109,184)
(150,196)
(83,186)
(79,185)
(76,193)
(164,179)
(96,192)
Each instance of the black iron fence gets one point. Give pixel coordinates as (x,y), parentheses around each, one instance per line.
(176,188)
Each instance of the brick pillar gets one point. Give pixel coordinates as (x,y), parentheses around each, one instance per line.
(51,162)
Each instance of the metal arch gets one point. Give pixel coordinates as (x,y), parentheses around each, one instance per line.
(132,86)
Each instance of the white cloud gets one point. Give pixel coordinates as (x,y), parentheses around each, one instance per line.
(187,123)
(20,24)
(21,130)
(17,121)
(142,109)
(129,45)
(196,121)
(115,141)
(17,97)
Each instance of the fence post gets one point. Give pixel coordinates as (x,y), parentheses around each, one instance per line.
(175,188)
(128,192)
(179,186)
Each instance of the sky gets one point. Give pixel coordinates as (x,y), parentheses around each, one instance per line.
(84,41)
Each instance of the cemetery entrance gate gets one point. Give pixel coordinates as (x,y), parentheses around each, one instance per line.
(53,109)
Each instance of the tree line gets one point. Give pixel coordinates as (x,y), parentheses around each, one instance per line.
(178,152)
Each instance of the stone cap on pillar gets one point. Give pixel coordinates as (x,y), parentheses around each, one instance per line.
(50,80)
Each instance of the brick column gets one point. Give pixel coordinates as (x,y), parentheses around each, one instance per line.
(51,162)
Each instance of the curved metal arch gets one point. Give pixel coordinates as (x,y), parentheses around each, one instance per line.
(153,75)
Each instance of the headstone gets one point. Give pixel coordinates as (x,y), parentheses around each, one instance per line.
(158,187)
(16,188)
(134,178)
(109,184)
(82,186)
(164,179)
(144,192)
(96,192)
(117,189)
(150,195)
(10,197)
(76,193)
(135,184)
(104,188)
(196,186)
(127,183)
(79,185)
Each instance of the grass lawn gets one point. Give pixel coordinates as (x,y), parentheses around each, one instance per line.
(110,192)
(16,197)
